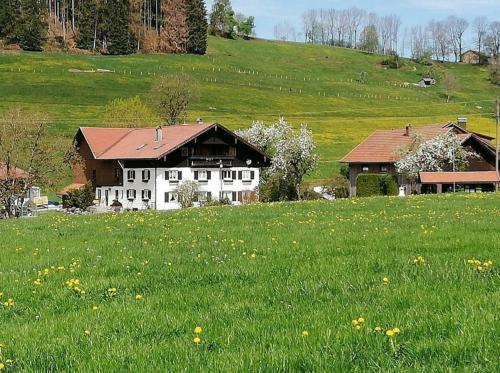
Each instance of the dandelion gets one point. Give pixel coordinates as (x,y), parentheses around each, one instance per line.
(385,280)
(305,333)
(378,329)
(392,332)
(198,330)
(358,323)
(9,303)
(197,340)
(139,297)
(87,332)
(419,260)
(2,366)
(94,308)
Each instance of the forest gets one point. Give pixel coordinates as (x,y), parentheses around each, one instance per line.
(118,27)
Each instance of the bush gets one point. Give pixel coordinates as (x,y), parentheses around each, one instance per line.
(393,62)
(495,71)
(80,198)
(311,195)
(216,202)
(338,187)
(276,188)
(187,193)
(376,185)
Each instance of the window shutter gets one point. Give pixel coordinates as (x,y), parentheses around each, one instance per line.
(240,196)
(135,193)
(234,175)
(252,175)
(209,175)
(240,175)
(196,175)
(167,199)
(167,175)
(209,195)
(149,194)
(143,175)
(233,197)
(179,176)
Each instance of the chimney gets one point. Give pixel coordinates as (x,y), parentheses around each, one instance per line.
(199,121)
(462,123)
(158,134)
(408,130)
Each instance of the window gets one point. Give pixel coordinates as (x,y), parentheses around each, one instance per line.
(384,168)
(246,175)
(227,175)
(130,175)
(184,151)
(365,168)
(202,175)
(173,175)
(99,195)
(118,174)
(146,175)
(204,196)
(131,193)
(227,195)
(171,197)
(146,195)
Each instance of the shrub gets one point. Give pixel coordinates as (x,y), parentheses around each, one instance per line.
(80,198)
(216,202)
(393,62)
(310,195)
(187,193)
(376,185)
(338,187)
(276,188)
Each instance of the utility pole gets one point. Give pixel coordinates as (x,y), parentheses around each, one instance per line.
(496,148)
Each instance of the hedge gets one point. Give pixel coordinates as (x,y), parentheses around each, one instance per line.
(376,185)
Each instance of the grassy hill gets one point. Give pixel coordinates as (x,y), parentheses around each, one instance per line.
(242,81)
(255,279)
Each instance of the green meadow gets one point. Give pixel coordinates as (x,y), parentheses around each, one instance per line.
(242,81)
(274,287)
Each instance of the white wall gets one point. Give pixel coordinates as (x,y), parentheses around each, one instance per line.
(162,186)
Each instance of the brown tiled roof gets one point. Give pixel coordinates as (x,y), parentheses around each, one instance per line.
(14,172)
(75,186)
(138,143)
(381,146)
(459,177)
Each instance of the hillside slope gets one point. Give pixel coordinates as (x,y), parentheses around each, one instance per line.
(255,278)
(242,81)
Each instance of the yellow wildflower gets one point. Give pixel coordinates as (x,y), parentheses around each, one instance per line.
(198,330)
(139,297)
(305,333)
(197,340)
(385,280)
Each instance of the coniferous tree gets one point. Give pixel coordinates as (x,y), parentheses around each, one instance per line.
(119,36)
(10,20)
(32,27)
(197,26)
(87,24)
(174,36)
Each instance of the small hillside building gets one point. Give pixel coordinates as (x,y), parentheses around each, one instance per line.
(378,155)
(470,57)
(142,168)
(426,82)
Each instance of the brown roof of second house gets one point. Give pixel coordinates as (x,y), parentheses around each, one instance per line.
(13,172)
(381,146)
(459,177)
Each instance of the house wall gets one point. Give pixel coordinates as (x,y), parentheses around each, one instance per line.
(470,58)
(104,171)
(159,185)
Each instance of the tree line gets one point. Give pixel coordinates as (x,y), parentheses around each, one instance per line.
(119,27)
(355,28)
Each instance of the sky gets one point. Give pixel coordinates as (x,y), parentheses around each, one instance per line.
(271,12)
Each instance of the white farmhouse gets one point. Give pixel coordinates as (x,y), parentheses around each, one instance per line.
(142,168)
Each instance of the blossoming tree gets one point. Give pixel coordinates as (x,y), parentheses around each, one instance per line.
(292,151)
(442,153)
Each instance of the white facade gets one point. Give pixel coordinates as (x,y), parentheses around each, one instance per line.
(155,188)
